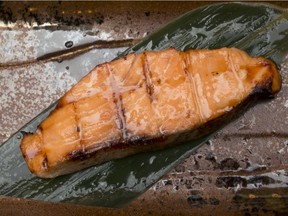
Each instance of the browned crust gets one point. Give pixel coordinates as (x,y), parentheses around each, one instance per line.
(270,86)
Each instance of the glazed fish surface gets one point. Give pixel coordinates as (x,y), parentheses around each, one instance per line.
(144,102)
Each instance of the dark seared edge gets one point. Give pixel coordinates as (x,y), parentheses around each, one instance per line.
(266,88)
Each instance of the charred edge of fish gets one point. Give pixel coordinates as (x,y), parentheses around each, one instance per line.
(264,89)
(146,140)
(79,155)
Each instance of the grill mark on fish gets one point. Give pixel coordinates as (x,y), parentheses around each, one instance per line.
(147,74)
(78,128)
(188,78)
(198,84)
(117,100)
(193,86)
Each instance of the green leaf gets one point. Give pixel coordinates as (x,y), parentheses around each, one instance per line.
(257,28)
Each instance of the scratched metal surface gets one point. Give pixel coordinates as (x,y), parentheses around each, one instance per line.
(252,171)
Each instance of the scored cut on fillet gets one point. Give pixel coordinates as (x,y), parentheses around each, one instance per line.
(145,102)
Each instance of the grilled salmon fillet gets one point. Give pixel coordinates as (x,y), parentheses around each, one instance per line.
(144,102)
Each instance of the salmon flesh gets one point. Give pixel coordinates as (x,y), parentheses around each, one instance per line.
(144,102)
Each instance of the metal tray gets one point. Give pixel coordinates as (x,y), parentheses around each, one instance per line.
(258,29)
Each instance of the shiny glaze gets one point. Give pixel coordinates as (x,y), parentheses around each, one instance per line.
(156,96)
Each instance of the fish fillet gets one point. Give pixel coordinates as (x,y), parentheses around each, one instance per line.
(145,102)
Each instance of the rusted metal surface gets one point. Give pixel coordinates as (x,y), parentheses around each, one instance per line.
(249,178)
